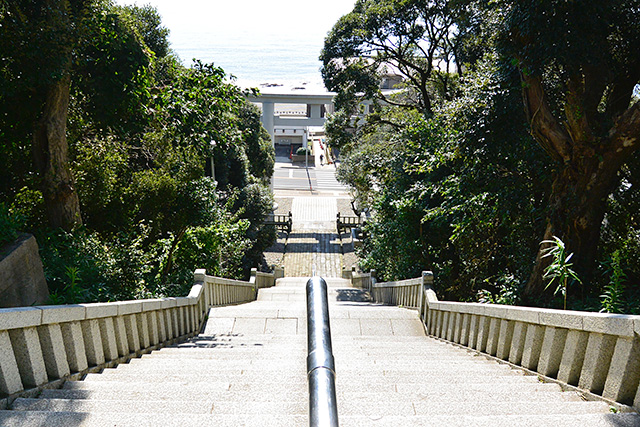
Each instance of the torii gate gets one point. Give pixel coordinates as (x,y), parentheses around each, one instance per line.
(314,102)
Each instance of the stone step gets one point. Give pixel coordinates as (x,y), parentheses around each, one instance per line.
(106,419)
(300,391)
(301,282)
(300,359)
(344,385)
(114,419)
(288,376)
(359,406)
(588,420)
(268,367)
(345,357)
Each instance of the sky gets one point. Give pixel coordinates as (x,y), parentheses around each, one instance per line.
(203,27)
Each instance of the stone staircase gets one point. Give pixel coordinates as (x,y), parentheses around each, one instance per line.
(248,368)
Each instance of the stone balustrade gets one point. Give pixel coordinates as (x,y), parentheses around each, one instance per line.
(42,346)
(596,352)
(405,293)
(361,280)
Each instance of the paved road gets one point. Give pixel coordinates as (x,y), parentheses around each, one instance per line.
(313,245)
(317,179)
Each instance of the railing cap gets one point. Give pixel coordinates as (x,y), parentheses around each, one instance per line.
(62,313)
(427,277)
(19,317)
(100,309)
(129,307)
(199,275)
(151,304)
(169,302)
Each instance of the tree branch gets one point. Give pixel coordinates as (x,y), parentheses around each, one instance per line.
(545,128)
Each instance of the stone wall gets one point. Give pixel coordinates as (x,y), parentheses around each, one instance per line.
(22,281)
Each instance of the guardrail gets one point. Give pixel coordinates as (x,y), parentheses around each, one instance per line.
(345,222)
(362,280)
(44,346)
(321,373)
(280,221)
(405,293)
(596,352)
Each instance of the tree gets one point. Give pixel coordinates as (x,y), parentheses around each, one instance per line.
(579,64)
(416,39)
(45,46)
(37,47)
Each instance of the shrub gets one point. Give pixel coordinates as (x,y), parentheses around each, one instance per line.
(10,223)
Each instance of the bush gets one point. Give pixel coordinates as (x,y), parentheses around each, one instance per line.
(302,151)
(9,225)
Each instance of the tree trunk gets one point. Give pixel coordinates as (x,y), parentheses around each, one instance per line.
(588,167)
(50,152)
(576,212)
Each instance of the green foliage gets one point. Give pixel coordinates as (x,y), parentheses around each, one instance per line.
(142,131)
(73,292)
(259,149)
(10,224)
(110,91)
(507,290)
(612,300)
(301,151)
(559,270)
(381,37)
(147,24)
(461,193)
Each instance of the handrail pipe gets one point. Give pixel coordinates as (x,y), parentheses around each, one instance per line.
(321,372)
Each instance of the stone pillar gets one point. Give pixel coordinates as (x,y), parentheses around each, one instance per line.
(532,347)
(597,360)
(152,321)
(52,344)
(464,331)
(517,342)
(473,330)
(74,346)
(493,336)
(121,336)
(162,328)
(10,381)
(133,336)
(26,347)
(457,327)
(268,111)
(93,342)
(143,330)
(551,353)
(573,357)
(483,333)
(504,340)
(624,372)
(108,333)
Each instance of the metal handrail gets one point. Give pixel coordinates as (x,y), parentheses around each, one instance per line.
(321,372)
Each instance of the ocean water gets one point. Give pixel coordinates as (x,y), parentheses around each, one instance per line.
(270,59)
(257,41)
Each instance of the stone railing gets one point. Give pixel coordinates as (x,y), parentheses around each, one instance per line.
(43,346)
(597,353)
(405,293)
(362,280)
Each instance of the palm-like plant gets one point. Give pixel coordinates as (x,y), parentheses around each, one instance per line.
(559,271)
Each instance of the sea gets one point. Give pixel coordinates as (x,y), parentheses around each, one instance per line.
(275,42)
(275,59)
